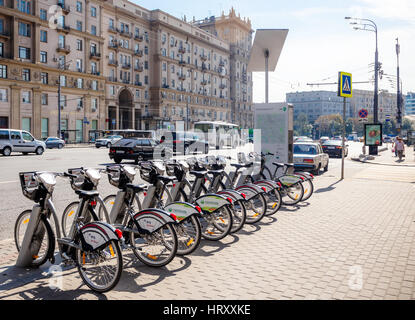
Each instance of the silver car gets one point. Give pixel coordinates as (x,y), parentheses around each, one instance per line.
(310,156)
(107,141)
(19,141)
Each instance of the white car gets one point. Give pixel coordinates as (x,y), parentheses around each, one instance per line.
(19,141)
(310,157)
(107,141)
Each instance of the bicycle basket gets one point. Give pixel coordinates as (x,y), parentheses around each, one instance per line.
(170,169)
(114,175)
(77,183)
(221,161)
(242,158)
(30,185)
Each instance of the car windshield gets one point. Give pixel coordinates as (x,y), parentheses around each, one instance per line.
(332,143)
(305,149)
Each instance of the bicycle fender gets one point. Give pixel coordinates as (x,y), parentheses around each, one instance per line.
(181,210)
(250,190)
(289,181)
(151,220)
(96,235)
(233,194)
(269,185)
(306,175)
(212,202)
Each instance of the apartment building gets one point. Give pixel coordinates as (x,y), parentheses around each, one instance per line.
(238,33)
(119,66)
(410,104)
(319,103)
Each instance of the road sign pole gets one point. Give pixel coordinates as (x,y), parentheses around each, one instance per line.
(344,135)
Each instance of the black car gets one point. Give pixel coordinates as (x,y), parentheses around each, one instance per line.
(334,148)
(185,142)
(138,149)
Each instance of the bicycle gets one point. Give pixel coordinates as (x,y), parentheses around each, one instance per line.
(94,248)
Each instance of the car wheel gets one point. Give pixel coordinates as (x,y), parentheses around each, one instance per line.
(117,160)
(326,167)
(109,145)
(39,151)
(317,171)
(25,153)
(7,152)
(97,147)
(60,146)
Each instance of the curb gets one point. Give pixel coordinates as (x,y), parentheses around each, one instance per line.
(382,164)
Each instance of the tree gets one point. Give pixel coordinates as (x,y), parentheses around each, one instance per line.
(330,125)
(302,126)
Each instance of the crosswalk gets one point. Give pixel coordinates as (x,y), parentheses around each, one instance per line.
(387,173)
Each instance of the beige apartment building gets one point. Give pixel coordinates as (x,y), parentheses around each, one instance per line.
(119,66)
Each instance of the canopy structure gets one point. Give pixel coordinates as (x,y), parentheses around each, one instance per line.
(266,52)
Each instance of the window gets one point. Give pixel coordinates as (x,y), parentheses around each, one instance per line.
(26,125)
(94,85)
(45,128)
(61,41)
(146,50)
(80,103)
(62,80)
(79,65)
(3,71)
(43,14)
(44,77)
(4,134)
(43,56)
(26,74)
(1,49)
(146,79)
(78,6)
(137,93)
(146,65)
(79,25)
(94,104)
(79,45)
(93,12)
(93,30)
(63,101)
(43,36)
(111,23)
(93,48)
(23,6)
(3,95)
(112,90)
(24,29)
(26,96)
(44,99)
(80,83)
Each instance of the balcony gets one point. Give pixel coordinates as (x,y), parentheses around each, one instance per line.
(95,73)
(222,86)
(112,29)
(95,55)
(126,81)
(113,63)
(139,68)
(113,45)
(126,34)
(204,82)
(139,38)
(182,77)
(182,50)
(138,83)
(65,9)
(4,34)
(221,63)
(63,28)
(112,79)
(204,69)
(63,48)
(126,65)
(203,57)
(138,53)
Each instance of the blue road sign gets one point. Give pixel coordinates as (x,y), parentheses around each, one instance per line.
(345,85)
(363,114)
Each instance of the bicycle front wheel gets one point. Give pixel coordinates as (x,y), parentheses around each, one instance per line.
(42,243)
(101,270)
(239,216)
(294,194)
(216,225)
(189,234)
(256,208)
(308,190)
(157,249)
(274,202)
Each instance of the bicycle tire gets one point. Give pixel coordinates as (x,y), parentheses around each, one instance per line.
(207,220)
(24,218)
(149,259)
(256,216)
(238,220)
(114,248)
(274,202)
(69,211)
(298,196)
(308,191)
(191,243)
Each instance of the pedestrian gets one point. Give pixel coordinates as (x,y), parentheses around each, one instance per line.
(400,148)
(394,145)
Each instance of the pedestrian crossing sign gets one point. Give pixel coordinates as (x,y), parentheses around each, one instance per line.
(345,85)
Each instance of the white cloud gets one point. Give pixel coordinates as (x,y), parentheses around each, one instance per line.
(403,10)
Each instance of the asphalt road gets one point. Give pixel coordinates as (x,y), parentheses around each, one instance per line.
(13,201)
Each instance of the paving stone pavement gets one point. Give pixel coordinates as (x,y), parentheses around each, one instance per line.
(355,239)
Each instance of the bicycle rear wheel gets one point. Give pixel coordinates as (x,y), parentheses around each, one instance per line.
(308,190)
(42,244)
(293,194)
(189,234)
(101,270)
(157,249)
(216,225)
(256,208)
(238,216)
(274,202)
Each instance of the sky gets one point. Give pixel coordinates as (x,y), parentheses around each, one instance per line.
(320,41)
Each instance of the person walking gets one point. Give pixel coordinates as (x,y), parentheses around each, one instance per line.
(394,145)
(400,148)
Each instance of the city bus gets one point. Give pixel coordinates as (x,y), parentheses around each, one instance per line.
(219,134)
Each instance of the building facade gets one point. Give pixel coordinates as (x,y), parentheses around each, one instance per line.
(321,103)
(410,104)
(118,66)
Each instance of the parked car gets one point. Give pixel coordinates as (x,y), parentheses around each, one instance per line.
(334,148)
(107,141)
(311,157)
(185,142)
(19,141)
(53,142)
(304,139)
(387,139)
(324,139)
(138,149)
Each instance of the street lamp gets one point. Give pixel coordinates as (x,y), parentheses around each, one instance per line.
(61,66)
(369,25)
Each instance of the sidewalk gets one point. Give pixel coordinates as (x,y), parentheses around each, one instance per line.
(388,158)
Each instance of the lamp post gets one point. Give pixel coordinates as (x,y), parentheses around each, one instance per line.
(399,124)
(369,25)
(61,66)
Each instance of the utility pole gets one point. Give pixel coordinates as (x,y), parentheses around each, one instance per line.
(399,117)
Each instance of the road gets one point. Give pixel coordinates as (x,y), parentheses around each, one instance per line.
(13,201)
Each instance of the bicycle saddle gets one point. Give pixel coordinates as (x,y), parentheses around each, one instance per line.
(216,172)
(137,188)
(166,180)
(87,194)
(240,166)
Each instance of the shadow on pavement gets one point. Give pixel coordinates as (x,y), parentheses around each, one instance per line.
(209,248)
(329,188)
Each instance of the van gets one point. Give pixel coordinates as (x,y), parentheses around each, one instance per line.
(19,141)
